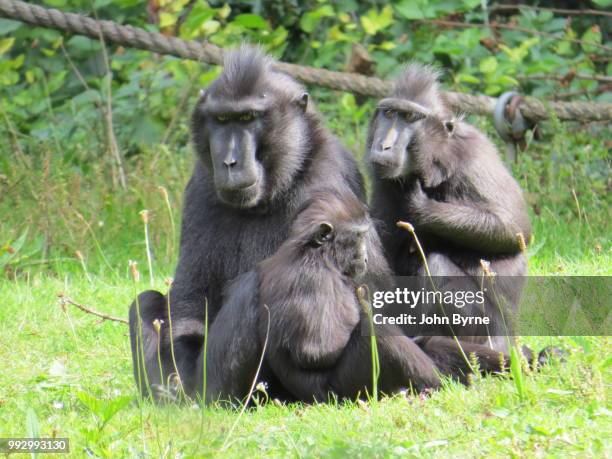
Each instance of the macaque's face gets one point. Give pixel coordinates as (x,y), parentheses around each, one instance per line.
(394,136)
(253,144)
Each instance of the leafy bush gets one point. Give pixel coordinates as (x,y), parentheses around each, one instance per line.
(56,90)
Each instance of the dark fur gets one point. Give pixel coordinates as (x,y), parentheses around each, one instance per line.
(301,304)
(448,180)
(227,229)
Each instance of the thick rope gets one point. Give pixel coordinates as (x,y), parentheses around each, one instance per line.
(532,108)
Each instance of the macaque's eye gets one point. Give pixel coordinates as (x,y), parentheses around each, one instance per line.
(248,116)
(324,233)
(222,118)
(412,117)
(388,114)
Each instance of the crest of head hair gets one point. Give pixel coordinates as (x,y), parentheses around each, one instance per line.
(243,70)
(419,83)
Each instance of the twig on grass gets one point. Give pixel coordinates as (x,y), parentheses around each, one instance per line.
(64,300)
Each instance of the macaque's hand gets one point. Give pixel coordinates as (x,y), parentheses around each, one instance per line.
(418,198)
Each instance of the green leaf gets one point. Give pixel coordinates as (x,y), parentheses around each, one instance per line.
(251,21)
(373,22)
(592,35)
(488,65)
(368,25)
(8,78)
(538,430)
(347,102)
(603,3)
(83,44)
(466,78)
(55,3)
(506,80)
(102,3)
(517,372)
(12,249)
(32,426)
(224,11)
(309,21)
(147,131)
(410,10)
(166,19)
(500,412)
(196,19)
(57,80)
(6,44)
(8,26)
(471,4)
(113,406)
(210,27)
(87,97)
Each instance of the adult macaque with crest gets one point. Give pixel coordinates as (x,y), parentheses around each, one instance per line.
(446,178)
(261,150)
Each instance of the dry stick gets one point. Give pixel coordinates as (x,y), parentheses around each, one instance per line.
(99,103)
(20,154)
(408,226)
(93,235)
(250,393)
(485,265)
(164,193)
(110,130)
(133,267)
(577,205)
(157,326)
(580,12)
(144,214)
(204,370)
(582,92)
(76,340)
(444,22)
(170,334)
(81,258)
(141,367)
(14,139)
(578,76)
(178,112)
(486,270)
(64,300)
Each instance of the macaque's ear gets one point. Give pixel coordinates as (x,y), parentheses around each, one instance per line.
(324,233)
(449,127)
(203,94)
(302,101)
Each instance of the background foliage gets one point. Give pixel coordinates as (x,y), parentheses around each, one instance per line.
(71,108)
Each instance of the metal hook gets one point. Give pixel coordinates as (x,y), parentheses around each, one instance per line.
(510,123)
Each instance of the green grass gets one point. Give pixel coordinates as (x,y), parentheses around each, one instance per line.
(54,360)
(71,372)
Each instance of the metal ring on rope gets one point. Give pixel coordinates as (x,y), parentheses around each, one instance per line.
(510,123)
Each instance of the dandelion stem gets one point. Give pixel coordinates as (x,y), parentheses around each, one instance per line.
(407,226)
(145,219)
